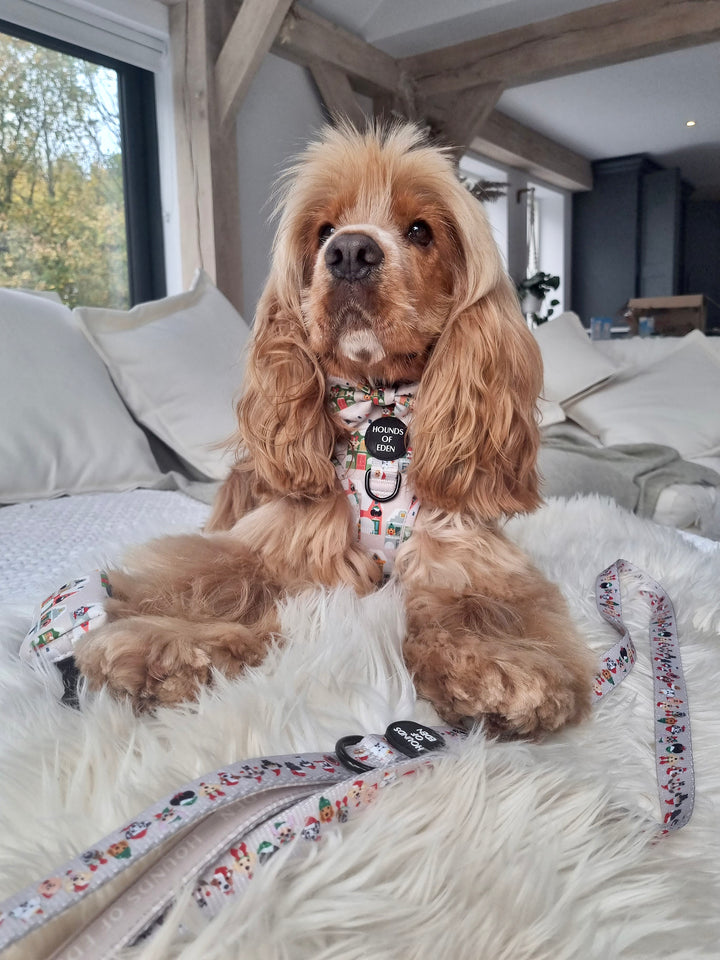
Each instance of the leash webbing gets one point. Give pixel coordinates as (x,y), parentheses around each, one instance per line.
(205,797)
(137,908)
(673,743)
(246,812)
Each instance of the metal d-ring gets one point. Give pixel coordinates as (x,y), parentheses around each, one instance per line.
(357,766)
(373,496)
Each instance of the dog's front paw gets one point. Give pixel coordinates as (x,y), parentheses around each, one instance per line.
(523,697)
(152,667)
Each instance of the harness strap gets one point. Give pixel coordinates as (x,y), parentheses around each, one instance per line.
(244,814)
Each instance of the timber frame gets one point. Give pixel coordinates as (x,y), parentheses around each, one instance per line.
(218,46)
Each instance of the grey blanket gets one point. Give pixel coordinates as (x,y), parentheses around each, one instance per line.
(633,474)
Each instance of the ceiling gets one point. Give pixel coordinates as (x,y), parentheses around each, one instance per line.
(635,107)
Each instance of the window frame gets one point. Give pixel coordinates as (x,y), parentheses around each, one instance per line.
(140,163)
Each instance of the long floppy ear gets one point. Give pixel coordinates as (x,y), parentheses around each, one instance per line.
(474,433)
(283,423)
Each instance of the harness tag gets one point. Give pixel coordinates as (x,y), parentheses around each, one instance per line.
(386,438)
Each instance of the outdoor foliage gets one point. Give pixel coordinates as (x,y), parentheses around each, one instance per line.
(62,221)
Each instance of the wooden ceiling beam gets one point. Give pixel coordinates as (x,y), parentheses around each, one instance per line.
(458,117)
(305,37)
(336,93)
(249,39)
(505,140)
(598,36)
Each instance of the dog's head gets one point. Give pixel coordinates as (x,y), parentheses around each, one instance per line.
(385,270)
(378,236)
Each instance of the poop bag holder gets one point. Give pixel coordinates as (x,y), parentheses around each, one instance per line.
(64,617)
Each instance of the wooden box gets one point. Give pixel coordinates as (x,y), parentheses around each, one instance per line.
(674,316)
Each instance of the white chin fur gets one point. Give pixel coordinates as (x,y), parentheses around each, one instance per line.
(361,345)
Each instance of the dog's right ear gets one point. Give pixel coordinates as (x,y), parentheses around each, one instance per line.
(283,420)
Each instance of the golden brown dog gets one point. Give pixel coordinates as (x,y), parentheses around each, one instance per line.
(384,272)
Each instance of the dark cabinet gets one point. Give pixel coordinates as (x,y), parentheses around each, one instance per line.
(627,236)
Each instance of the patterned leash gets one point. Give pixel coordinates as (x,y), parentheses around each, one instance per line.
(229,823)
(673,743)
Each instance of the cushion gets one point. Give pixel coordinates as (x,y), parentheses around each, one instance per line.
(178,362)
(673,401)
(550,412)
(48,294)
(571,362)
(63,427)
(637,351)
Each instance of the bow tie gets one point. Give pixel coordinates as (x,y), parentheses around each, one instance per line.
(354,402)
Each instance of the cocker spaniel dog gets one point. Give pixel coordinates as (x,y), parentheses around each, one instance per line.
(390,390)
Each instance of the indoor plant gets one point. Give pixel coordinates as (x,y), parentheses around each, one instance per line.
(532,292)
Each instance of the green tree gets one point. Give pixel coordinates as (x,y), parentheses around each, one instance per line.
(62,223)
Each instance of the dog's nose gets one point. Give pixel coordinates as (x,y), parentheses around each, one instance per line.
(352,256)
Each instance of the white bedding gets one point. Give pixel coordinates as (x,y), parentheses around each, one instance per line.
(44,543)
(505,851)
(652,397)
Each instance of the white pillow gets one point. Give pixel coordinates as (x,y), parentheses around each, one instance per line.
(178,362)
(571,362)
(674,402)
(48,294)
(637,351)
(63,427)
(550,412)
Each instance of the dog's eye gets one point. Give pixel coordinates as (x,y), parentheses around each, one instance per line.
(420,233)
(325,231)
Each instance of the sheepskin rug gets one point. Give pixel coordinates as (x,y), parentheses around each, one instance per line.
(501,851)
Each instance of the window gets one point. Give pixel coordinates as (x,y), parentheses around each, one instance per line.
(548,236)
(476,170)
(79,184)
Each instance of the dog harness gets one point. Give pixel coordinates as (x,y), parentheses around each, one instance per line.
(372,464)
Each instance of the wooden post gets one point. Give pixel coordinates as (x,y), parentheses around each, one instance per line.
(206,152)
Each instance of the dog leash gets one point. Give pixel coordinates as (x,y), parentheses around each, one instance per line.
(242,814)
(673,743)
(230,823)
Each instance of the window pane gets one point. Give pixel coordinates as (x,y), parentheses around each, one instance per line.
(62,215)
(475,169)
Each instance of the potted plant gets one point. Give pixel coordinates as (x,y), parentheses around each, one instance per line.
(532,292)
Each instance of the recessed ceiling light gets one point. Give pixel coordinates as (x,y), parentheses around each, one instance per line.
(689,123)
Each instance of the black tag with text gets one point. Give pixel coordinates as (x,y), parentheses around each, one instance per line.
(413,739)
(385,438)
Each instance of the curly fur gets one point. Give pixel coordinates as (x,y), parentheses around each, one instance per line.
(488,636)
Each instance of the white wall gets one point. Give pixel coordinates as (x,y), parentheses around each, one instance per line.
(278,117)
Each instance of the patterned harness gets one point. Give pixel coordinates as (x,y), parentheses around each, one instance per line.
(372,465)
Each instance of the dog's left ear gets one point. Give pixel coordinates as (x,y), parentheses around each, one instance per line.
(474,433)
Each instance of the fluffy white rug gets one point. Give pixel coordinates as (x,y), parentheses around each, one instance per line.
(503,850)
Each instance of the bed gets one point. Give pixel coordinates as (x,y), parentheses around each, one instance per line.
(634,419)
(500,850)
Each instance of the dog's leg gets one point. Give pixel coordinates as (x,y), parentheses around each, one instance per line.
(488,636)
(180,606)
(185,604)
